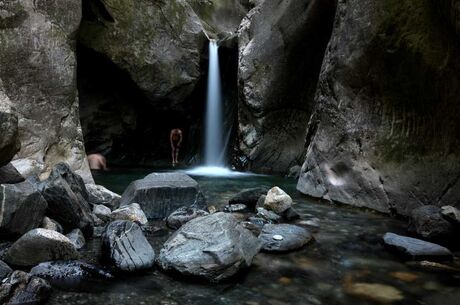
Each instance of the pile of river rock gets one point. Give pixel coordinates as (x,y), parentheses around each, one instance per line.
(45,224)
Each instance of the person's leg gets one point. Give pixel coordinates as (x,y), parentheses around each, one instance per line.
(177,155)
(173,156)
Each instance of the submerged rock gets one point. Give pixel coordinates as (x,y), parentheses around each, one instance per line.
(283,237)
(10,175)
(132,212)
(249,197)
(375,292)
(126,247)
(183,215)
(40,245)
(428,222)
(416,248)
(160,194)
(277,201)
(23,208)
(77,238)
(213,247)
(99,195)
(69,273)
(21,288)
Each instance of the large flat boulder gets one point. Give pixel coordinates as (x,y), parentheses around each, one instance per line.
(40,245)
(23,208)
(213,247)
(125,246)
(160,194)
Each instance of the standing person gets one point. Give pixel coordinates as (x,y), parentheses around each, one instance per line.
(176,139)
(97,162)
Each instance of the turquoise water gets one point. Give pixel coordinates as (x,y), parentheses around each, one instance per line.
(346,251)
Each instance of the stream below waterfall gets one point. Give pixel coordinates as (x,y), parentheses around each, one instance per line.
(346,250)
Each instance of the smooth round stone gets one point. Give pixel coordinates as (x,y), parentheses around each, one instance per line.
(278,237)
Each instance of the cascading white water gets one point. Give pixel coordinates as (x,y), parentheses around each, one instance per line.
(214,144)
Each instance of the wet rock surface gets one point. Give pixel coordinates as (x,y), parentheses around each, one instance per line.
(213,247)
(428,222)
(23,208)
(125,246)
(22,288)
(249,197)
(283,237)
(40,245)
(160,194)
(416,248)
(183,215)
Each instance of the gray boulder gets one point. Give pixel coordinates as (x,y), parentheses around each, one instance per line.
(69,273)
(102,212)
(9,141)
(39,81)
(183,215)
(125,246)
(99,195)
(132,212)
(160,194)
(249,197)
(23,208)
(66,195)
(416,248)
(213,247)
(76,238)
(40,245)
(451,213)
(428,222)
(50,224)
(5,270)
(10,175)
(21,288)
(283,237)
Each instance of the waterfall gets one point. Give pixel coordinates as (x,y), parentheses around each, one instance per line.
(214,142)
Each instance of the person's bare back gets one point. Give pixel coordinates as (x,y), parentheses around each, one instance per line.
(97,162)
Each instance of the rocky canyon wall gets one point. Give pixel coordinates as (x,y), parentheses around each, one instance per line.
(385,132)
(38,82)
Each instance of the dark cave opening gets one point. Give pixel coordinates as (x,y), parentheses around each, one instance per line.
(121,123)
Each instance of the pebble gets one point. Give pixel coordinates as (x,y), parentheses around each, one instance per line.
(278,237)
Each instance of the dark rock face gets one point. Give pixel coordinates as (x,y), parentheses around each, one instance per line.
(23,208)
(249,197)
(428,222)
(283,237)
(9,175)
(160,194)
(213,247)
(40,245)
(132,33)
(66,195)
(416,248)
(282,45)
(126,247)
(385,132)
(37,78)
(183,215)
(9,141)
(21,288)
(70,273)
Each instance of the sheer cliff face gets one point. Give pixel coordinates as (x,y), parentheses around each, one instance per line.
(281,46)
(385,125)
(37,79)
